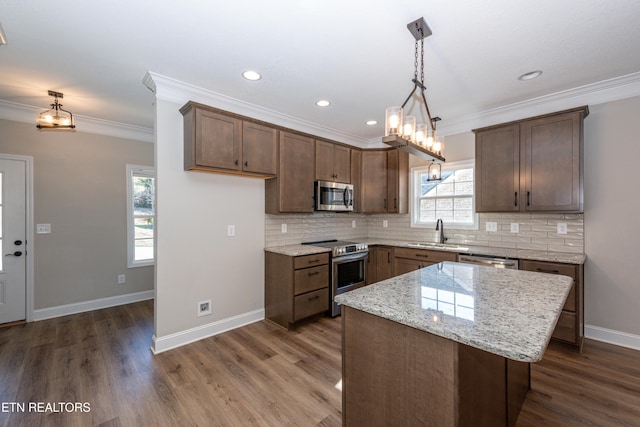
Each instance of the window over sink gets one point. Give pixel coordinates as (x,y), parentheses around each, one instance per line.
(451,199)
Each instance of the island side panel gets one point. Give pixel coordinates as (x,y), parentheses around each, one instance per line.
(394,374)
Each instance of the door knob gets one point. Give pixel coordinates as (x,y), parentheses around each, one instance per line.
(17,242)
(16,253)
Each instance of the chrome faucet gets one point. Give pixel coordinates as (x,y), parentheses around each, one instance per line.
(440,228)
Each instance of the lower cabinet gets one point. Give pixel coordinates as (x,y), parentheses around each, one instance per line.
(570,327)
(409,259)
(295,287)
(379,264)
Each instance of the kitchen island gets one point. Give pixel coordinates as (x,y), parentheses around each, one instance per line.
(447,345)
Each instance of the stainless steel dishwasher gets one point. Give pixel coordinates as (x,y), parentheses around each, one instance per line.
(489,261)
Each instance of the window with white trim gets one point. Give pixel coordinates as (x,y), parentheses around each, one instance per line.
(141,215)
(451,199)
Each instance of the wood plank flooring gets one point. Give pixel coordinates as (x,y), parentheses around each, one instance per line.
(258,375)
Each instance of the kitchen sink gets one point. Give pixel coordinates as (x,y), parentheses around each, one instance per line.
(429,245)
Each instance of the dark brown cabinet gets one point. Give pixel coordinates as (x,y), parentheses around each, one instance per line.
(224,143)
(379,264)
(292,189)
(531,165)
(333,162)
(410,259)
(295,287)
(385,181)
(570,327)
(356,179)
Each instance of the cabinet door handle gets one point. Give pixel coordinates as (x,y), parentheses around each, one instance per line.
(388,257)
(313,273)
(236,163)
(246,164)
(311,261)
(395,204)
(542,270)
(422,255)
(315,297)
(385,204)
(515,199)
(528,198)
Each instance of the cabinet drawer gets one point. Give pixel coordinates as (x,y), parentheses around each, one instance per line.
(311,279)
(311,303)
(555,268)
(566,327)
(310,260)
(425,255)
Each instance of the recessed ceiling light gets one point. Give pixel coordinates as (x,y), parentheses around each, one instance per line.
(323,103)
(530,75)
(372,122)
(251,75)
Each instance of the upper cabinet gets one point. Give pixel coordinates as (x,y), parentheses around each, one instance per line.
(533,165)
(384,186)
(333,162)
(292,190)
(224,143)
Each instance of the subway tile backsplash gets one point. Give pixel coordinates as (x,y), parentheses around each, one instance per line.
(536,231)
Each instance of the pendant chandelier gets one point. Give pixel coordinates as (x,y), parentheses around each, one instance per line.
(402,131)
(55,117)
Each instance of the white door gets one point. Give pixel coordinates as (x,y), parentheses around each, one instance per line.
(13,277)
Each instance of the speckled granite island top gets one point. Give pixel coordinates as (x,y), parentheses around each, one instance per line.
(511,313)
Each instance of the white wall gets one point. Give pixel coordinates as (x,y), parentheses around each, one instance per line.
(612,212)
(195,258)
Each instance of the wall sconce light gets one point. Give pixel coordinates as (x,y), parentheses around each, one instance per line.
(55,117)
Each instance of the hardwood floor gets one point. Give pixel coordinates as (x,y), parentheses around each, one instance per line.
(258,375)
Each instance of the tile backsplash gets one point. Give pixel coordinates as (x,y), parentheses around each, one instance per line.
(536,231)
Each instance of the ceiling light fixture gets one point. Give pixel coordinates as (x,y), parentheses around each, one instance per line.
(55,117)
(371,122)
(420,140)
(323,103)
(530,75)
(251,75)
(3,36)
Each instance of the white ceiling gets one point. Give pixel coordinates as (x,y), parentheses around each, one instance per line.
(358,54)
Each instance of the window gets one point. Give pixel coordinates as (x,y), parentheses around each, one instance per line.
(141,215)
(451,199)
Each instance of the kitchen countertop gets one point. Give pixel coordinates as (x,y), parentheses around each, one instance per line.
(564,257)
(511,313)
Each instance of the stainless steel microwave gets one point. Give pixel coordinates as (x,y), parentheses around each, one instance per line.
(333,196)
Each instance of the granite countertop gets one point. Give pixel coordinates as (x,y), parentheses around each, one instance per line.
(511,313)
(564,257)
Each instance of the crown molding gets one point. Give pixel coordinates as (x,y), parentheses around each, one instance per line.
(601,92)
(173,90)
(26,114)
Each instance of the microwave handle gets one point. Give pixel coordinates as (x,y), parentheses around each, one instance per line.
(348,197)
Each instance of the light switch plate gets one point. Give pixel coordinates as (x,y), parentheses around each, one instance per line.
(385,223)
(353,223)
(515,227)
(562,228)
(43,228)
(491,226)
(283,228)
(231,230)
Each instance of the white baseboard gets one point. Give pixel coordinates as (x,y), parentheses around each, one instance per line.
(181,338)
(610,336)
(96,304)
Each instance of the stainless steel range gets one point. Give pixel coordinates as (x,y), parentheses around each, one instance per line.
(348,268)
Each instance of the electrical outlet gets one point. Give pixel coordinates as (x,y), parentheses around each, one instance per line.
(231,230)
(491,226)
(283,228)
(122,279)
(353,223)
(515,227)
(562,228)
(204,308)
(385,223)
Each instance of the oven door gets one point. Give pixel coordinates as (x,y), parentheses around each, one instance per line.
(348,274)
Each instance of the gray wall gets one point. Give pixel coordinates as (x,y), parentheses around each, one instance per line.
(80,189)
